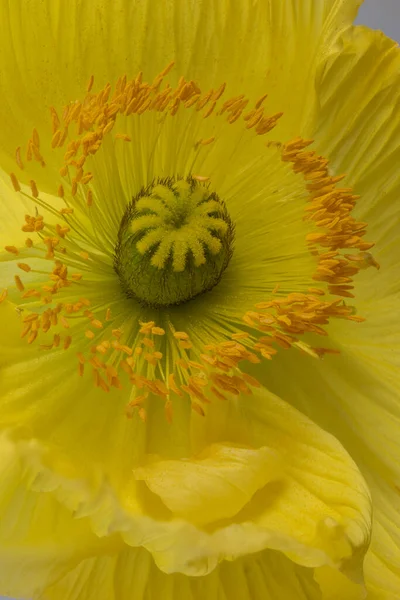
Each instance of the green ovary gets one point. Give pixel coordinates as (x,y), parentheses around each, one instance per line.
(175,242)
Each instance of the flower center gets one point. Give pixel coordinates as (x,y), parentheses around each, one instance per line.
(175,242)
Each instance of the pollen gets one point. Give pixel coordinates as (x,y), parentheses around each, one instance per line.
(15,182)
(12,250)
(34,189)
(24,267)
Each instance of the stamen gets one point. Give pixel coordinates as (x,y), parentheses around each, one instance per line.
(18,283)
(12,250)
(35,191)
(24,267)
(18,158)
(15,182)
(90,83)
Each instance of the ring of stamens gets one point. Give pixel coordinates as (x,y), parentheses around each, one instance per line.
(214,370)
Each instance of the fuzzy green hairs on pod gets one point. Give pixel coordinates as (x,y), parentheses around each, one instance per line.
(174,243)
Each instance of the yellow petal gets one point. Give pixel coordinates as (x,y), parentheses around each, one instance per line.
(335,585)
(13,208)
(60,557)
(69,562)
(298,460)
(215,485)
(38,536)
(132,575)
(56,405)
(382,565)
(355,395)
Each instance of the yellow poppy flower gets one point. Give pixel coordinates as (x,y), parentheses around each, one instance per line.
(194,194)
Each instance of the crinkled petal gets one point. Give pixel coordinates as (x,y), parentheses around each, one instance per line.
(359,403)
(61,558)
(358,127)
(315,509)
(40,541)
(382,565)
(132,575)
(216,485)
(312,469)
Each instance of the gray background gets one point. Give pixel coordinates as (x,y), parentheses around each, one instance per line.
(382,14)
(378,14)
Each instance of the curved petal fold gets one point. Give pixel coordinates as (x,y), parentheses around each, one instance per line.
(360,390)
(40,541)
(215,485)
(304,497)
(358,127)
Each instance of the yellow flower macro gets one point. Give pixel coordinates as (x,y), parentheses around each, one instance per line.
(199,301)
